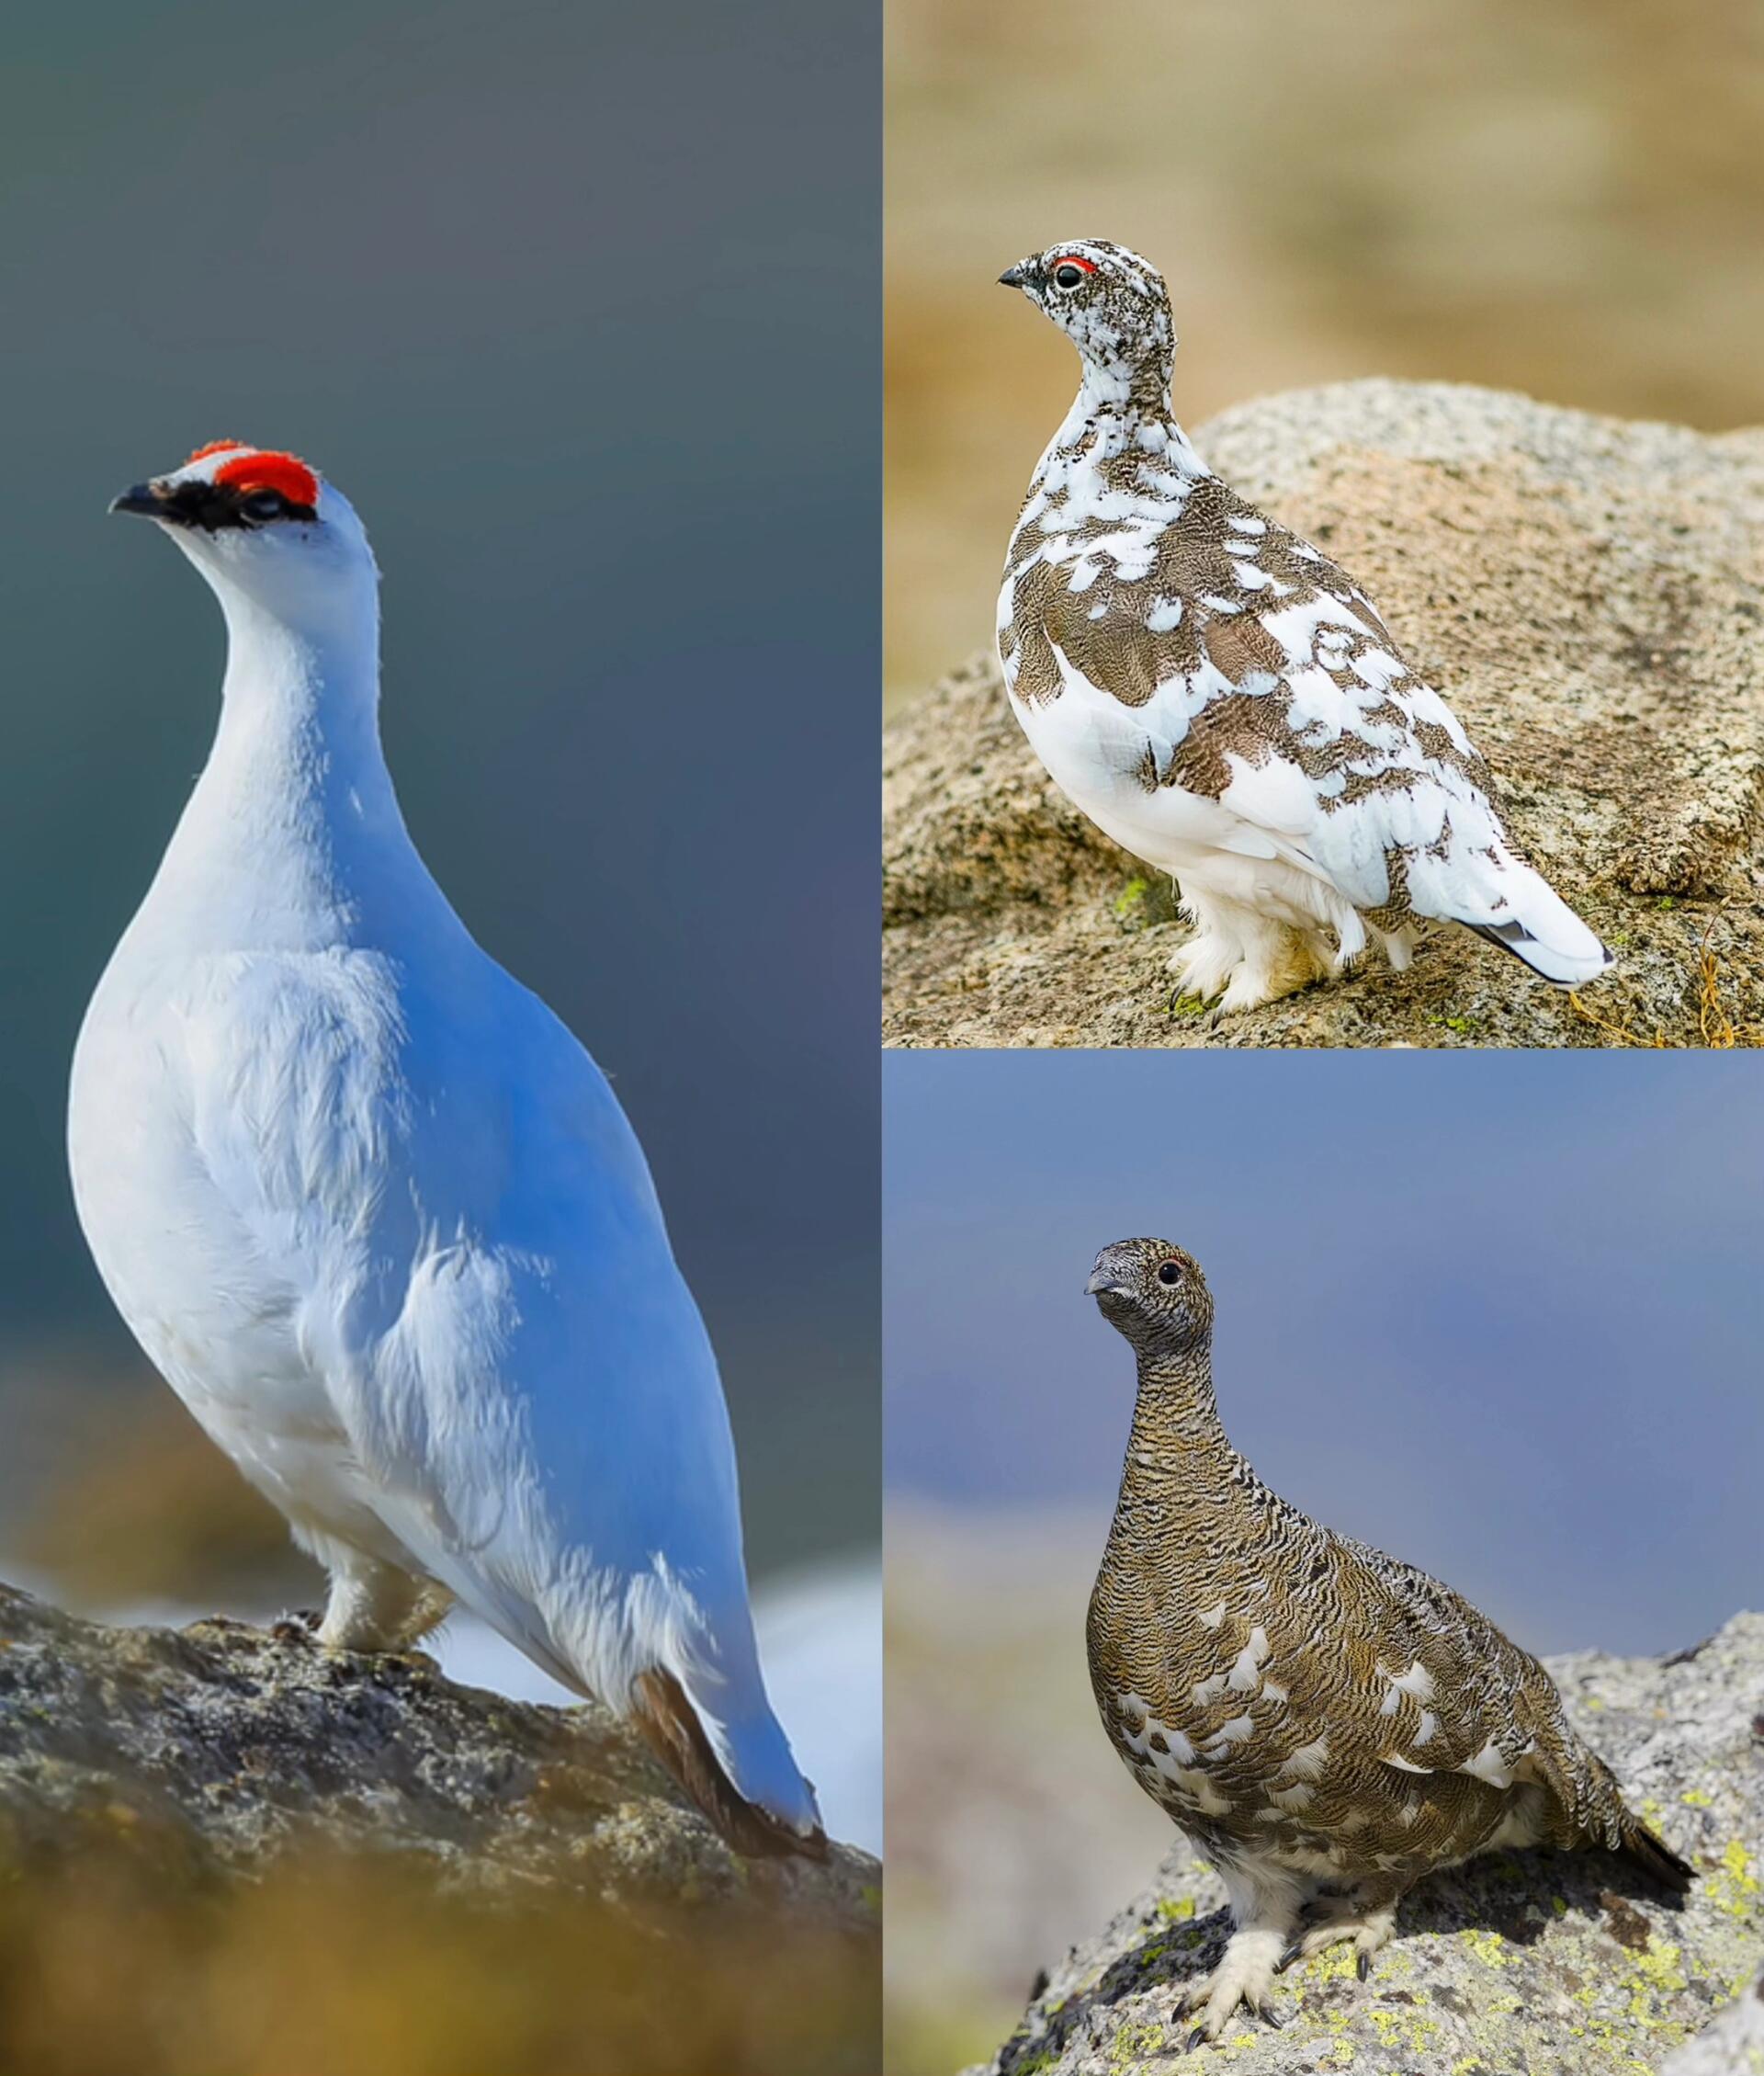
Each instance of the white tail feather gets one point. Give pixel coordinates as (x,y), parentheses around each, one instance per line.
(1537,926)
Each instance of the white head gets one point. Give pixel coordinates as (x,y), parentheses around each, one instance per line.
(266,532)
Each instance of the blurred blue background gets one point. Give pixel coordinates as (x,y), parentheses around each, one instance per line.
(580,306)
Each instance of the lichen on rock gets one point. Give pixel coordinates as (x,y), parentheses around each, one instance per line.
(1541,1963)
(1589,596)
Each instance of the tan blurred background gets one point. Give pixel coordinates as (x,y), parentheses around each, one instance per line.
(1566,198)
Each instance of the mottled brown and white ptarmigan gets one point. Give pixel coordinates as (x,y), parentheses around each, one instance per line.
(1326,1724)
(1220,699)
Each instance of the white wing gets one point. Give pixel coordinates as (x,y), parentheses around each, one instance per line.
(440,1184)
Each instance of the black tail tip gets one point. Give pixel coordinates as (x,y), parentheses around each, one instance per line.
(1649,1851)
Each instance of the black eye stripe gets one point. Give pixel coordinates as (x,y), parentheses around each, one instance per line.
(212,507)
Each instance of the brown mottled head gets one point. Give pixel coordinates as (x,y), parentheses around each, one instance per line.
(1108,301)
(1154,1294)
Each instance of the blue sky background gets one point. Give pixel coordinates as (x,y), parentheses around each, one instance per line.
(1502,1313)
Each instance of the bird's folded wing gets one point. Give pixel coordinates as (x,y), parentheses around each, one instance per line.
(1445,1683)
(461,1237)
(1262,676)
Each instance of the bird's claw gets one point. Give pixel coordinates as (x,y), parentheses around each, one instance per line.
(1363,1967)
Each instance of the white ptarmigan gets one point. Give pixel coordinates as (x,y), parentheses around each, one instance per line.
(1217,697)
(376,1215)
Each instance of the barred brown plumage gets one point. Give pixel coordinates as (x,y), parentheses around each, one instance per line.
(1221,699)
(1327,1723)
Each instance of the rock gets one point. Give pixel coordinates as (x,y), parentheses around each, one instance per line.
(1589,593)
(1548,1964)
(234,1744)
(1732,2046)
(244,1796)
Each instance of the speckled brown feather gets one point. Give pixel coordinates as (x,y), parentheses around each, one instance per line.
(1294,1697)
(1225,703)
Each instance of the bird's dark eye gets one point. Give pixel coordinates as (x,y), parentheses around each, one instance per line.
(264,504)
(1068,276)
(1169,1272)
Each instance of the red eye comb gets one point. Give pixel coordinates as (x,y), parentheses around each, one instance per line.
(286,472)
(214,447)
(1078,260)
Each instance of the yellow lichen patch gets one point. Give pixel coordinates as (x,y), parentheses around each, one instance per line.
(1334,1964)
(1654,1974)
(1488,1947)
(1733,1886)
(1659,1965)
(1135,2043)
(1170,1908)
(1694,1798)
(1407,2029)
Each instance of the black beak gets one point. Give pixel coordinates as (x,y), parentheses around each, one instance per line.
(1012,277)
(144,499)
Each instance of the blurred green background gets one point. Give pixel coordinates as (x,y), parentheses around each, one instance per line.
(1564,199)
(544,290)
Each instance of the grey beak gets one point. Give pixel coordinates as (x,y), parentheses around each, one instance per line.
(1012,277)
(1099,1281)
(142,499)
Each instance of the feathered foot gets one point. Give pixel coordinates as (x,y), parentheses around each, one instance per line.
(375,1607)
(1205,964)
(1349,1918)
(1245,959)
(1245,1976)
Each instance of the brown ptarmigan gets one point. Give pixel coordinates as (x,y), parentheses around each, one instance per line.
(1326,1724)
(1220,699)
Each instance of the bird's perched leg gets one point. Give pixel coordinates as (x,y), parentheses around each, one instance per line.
(1245,958)
(377,1607)
(1366,1919)
(1264,1911)
(1207,961)
(1398,947)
